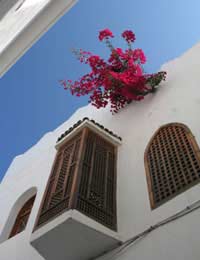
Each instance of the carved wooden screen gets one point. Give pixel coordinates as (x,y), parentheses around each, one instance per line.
(58,191)
(83,178)
(172,163)
(97,194)
(22,217)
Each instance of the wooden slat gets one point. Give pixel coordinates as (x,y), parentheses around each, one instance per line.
(62,168)
(76,176)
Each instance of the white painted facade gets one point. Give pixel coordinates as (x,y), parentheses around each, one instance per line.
(23,22)
(178,100)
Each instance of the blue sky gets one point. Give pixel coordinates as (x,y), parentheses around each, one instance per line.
(31,100)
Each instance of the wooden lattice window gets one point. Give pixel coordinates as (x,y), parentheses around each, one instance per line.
(172,162)
(83,177)
(22,217)
(97,191)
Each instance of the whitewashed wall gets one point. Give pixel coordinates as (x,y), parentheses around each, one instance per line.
(178,100)
(21,27)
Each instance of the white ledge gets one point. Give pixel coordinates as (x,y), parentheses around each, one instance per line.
(20,29)
(74,236)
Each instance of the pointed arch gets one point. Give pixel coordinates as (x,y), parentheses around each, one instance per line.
(22,207)
(172,163)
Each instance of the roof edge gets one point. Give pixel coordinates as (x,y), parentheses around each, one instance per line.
(48,16)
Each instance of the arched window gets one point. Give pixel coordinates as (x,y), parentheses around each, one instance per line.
(172,162)
(22,217)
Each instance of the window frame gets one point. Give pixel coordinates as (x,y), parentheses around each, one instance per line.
(196,149)
(21,214)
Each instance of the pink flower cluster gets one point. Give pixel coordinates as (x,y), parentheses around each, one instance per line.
(105,34)
(129,36)
(119,80)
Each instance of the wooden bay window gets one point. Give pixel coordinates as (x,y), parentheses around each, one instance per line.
(83,177)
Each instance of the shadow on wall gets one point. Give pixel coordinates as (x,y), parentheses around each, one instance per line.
(19,203)
(6,5)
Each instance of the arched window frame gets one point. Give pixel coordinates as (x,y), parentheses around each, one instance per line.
(196,150)
(14,210)
(22,217)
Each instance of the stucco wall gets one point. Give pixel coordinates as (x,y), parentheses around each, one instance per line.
(178,100)
(21,27)
(5,6)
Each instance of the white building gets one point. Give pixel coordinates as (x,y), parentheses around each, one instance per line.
(154,181)
(23,22)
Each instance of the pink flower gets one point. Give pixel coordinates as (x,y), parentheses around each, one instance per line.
(129,36)
(138,54)
(106,33)
(134,91)
(96,63)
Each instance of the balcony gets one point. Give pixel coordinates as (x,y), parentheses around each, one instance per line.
(77,218)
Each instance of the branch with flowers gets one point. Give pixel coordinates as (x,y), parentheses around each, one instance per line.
(119,80)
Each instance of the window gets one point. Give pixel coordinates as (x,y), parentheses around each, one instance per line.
(22,217)
(172,162)
(83,177)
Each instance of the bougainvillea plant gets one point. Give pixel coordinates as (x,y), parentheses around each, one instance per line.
(119,80)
